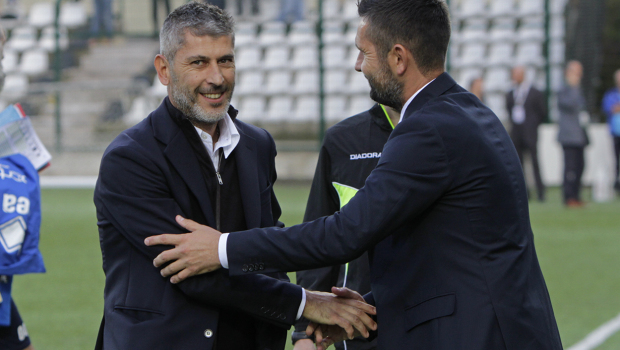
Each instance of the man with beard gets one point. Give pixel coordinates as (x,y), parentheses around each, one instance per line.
(193,157)
(444,215)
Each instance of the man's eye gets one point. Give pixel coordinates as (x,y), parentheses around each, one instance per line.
(198,63)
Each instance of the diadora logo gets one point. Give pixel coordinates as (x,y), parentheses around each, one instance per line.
(365,155)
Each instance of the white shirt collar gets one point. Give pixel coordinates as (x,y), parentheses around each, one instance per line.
(229,138)
(402,111)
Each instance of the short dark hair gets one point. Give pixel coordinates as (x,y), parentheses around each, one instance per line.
(421,26)
(200,19)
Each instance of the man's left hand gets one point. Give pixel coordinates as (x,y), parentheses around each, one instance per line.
(194,253)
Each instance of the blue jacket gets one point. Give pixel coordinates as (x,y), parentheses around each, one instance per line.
(444,218)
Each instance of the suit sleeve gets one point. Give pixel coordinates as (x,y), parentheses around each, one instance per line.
(412,174)
(321,202)
(132,196)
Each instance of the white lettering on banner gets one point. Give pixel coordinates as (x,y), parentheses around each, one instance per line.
(11,174)
(10,204)
(365,156)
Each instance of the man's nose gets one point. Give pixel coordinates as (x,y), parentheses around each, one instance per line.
(214,75)
(358,62)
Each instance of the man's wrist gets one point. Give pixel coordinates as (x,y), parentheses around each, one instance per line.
(297,336)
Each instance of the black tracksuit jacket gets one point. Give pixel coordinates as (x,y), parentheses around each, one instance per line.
(350,151)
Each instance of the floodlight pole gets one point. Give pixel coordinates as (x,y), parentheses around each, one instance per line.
(319,29)
(57,77)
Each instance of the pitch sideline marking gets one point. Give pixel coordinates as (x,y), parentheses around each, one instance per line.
(599,335)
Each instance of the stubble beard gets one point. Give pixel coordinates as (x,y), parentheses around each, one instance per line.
(186,101)
(386,90)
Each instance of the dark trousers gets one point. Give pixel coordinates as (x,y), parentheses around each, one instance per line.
(617,149)
(573,170)
(522,145)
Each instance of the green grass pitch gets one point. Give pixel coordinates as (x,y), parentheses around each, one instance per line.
(578,251)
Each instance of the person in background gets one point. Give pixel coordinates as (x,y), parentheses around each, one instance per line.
(611,106)
(572,135)
(13,334)
(102,18)
(527,109)
(350,151)
(477,88)
(291,11)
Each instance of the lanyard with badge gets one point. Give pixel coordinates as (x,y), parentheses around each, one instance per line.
(518,111)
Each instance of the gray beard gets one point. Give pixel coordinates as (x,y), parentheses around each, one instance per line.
(186,103)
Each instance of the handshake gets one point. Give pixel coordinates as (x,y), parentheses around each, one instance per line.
(340,315)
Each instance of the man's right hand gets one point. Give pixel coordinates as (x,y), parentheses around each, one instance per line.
(345,308)
(304,344)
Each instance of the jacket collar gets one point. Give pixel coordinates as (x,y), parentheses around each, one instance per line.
(182,157)
(440,85)
(380,117)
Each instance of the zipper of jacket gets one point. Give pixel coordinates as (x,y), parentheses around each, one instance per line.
(219,191)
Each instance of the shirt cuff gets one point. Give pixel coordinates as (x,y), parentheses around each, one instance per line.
(221,252)
(302,306)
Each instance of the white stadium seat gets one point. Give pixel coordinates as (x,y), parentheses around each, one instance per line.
(333,32)
(336,108)
(359,103)
(335,81)
(273,33)
(349,10)
(42,14)
(497,103)
(335,56)
(503,31)
(306,82)
(248,57)
(557,52)
(304,57)
(472,54)
(474,31)
(501,53)
(250,82)
(276,57)
(497,79)
(34,62)
(470,8)
(529,53)
(252,108)
(532,29)
(73,14)
(302,33)
(278,82)
(15,86)
(331,9)
(467,75)
(22,38)
(307,109)
(502,8)
(48,39)
(357,83)
(10,61)
(558,27)
(531,7)
(280,109)
(245,34)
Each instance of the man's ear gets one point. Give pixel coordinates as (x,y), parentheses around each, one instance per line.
(163,69)
(399,59)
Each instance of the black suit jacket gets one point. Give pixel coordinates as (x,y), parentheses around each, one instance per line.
(148,175)
(535,106)
(445,219)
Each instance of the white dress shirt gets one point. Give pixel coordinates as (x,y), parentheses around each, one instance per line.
(402,111)
(228,140)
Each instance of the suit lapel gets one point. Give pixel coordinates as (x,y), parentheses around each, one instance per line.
(246,158)
(180,154)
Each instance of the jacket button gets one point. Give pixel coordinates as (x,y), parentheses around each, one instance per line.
(261,267)
(208,333)
(244,268)
(251,268)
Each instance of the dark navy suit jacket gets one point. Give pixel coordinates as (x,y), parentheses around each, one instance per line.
(148,175)
(445,219)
